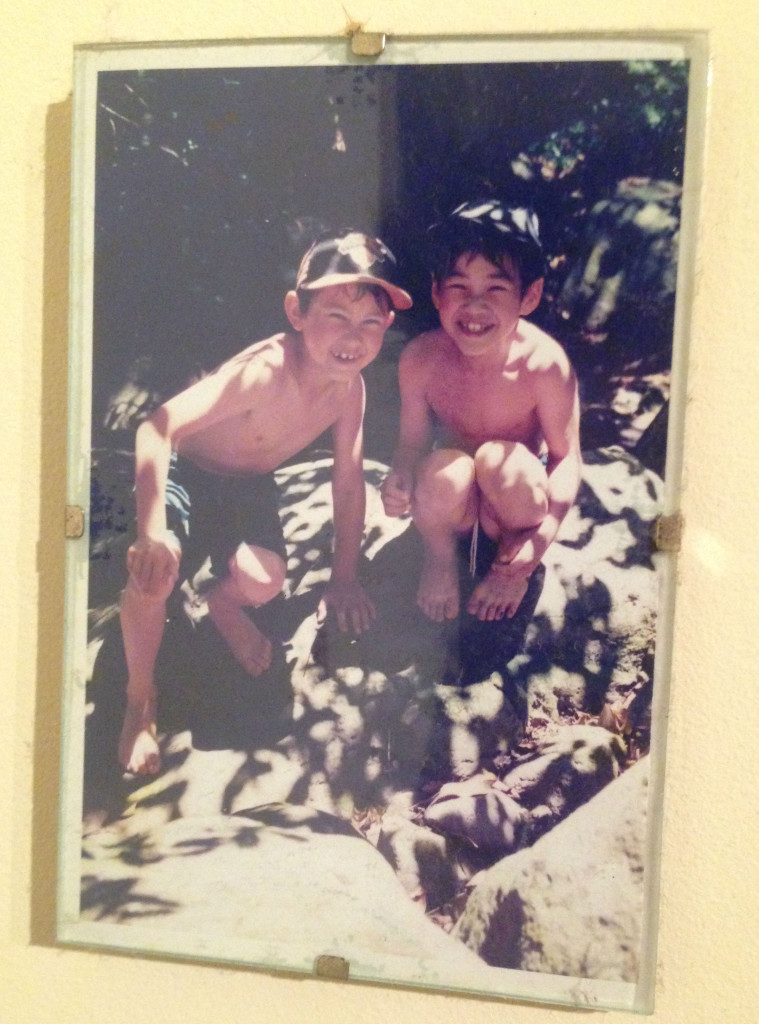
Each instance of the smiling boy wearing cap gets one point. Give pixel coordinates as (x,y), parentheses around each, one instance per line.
(489,437)
(204,461)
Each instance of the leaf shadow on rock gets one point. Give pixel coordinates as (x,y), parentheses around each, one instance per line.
(396,684)
(598,515)
(566,649)
(201,689)
(116,899)
(123,870)
(289,818)
(356,720)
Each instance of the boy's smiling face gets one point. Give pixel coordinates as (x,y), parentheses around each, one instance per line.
(342,328)
(480,303)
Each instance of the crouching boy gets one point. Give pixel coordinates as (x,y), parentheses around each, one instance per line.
(204,461)
(489,415)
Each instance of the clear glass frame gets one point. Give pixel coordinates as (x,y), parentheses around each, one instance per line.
(467,806)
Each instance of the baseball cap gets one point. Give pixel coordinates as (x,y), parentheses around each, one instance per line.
(351,258)
(491,227)
(494,216)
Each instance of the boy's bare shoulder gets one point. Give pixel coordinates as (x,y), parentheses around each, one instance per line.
(261,363)
(543,354)
(424,351)
(272,352)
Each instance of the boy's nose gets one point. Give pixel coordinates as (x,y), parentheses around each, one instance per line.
(352,341)
(474,301)
(357,333)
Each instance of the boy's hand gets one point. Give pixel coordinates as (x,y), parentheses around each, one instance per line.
(396,493)
(350,603)
(153,565)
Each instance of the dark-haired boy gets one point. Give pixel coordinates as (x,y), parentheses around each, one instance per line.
(489,415)
(204,461)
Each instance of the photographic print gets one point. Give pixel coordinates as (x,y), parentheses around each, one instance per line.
(377,378)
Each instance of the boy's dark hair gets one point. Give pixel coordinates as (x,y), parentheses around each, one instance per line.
(491,229)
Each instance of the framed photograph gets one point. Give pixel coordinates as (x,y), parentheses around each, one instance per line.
(376,408)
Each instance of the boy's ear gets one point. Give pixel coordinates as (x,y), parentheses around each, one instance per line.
(434,292)
(292,310)
(531,298)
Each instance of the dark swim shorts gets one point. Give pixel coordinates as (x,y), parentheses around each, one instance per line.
(212,514)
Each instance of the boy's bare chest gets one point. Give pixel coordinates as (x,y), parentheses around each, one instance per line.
(264,435)
(289,421)
(484,407)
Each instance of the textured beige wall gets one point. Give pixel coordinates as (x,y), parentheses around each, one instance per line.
(709,908)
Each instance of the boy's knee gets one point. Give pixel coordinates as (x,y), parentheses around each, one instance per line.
(508,466)
(445,475)
(257,572)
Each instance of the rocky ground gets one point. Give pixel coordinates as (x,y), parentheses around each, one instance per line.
(470,757)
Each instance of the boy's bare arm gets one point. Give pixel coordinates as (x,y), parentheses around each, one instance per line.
(415,433)
(344,594)
(152,560)
(558,413)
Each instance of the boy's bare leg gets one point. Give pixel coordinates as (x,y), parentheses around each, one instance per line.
(256,575)
(513,501)
(142,624)
(444,505)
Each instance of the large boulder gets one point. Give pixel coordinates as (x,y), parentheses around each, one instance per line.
(279,885)
(479,813)
(572,904)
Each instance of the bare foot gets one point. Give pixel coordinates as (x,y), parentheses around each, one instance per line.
(138,745)
(246,641)
(497,595)
(438,593)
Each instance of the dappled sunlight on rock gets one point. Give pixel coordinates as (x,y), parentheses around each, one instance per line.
(320,693)
(444,778)
(617,481)
(264,777)
(464,751)
(208,773)
(351,676)
(481,700)
(553,695)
